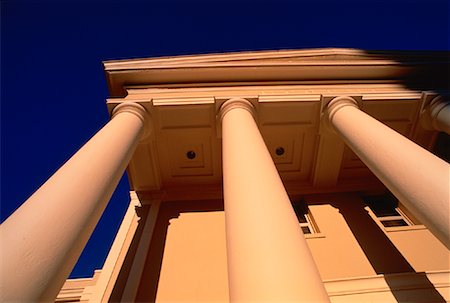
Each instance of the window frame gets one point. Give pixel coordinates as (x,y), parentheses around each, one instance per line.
(302,208)
(308,224)
(401,216)
(411,222)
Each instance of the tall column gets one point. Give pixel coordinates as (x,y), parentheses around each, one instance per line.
(420,180)
(268,258)
(43,239)
(437,115)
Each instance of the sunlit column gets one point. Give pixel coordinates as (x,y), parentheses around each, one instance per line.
(42,240)
(437,115)
(268,258)
(419,179)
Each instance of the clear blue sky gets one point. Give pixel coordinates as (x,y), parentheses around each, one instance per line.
(53,88)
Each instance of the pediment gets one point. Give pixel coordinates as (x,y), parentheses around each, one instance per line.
(274,57)
(278,57)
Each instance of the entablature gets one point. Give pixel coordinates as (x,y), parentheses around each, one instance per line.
(184,150)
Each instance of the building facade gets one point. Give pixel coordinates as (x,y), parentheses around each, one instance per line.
(284,176)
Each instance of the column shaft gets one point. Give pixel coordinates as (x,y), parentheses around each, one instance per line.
(43,239)
(268,258)
(419,179)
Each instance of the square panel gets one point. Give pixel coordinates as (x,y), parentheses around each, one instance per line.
(189,153)
(292,150)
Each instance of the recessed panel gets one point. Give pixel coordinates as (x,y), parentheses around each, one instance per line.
(292,151)
(289,113)
(171,117)
(392,110)
(144,168)
(352,166)
(189,153)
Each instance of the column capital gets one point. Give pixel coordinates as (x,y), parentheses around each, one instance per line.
(130,107)
(139,111)
(339,102)
(236,103)
(434,108)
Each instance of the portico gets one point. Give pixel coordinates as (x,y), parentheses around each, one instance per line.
(185,129)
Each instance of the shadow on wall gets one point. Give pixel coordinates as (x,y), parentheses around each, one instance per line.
(119,287)
(382,254)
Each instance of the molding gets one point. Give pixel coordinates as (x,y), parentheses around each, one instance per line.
(397,96)
(239,58)
(289,98)
(76,288)
(294,188)
(144,93)
(332,64)
(394,229)
(378,283)
(183,101)
(270,93)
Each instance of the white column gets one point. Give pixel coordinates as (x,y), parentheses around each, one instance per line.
(42,240)
(437,115)
(268,258)
(419,179)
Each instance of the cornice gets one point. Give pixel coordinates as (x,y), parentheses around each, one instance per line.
(323,56)
(291,65)
(378,283)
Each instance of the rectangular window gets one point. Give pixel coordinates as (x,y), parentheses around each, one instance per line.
(387,210)
(304,218)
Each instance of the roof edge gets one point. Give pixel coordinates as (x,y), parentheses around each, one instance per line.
(279,65)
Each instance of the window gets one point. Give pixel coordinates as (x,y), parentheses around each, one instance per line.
(387,210)
(304,218)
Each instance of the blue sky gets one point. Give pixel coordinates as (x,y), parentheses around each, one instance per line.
(53,88)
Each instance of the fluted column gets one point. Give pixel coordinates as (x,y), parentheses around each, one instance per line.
(419,179)
(437,115)
(42,240)
(268,258)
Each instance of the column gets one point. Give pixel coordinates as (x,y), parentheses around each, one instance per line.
(42,240)
(437,115)
(420,180)
(268,258)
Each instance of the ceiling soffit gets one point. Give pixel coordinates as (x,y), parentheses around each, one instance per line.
(182,158)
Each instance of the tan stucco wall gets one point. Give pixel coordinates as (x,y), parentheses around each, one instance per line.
(355,244)
(194,263)
(189,251)
(335,249)
(187,257)
(421,249)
